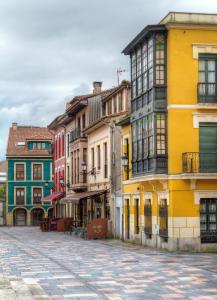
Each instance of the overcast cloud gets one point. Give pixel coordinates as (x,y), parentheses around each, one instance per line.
(53,49)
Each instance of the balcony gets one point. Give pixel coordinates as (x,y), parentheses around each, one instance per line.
(195,162)
(207,92)
(75,134)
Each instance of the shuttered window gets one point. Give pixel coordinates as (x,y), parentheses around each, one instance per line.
(208,147)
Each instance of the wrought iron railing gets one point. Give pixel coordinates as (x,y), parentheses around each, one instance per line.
(207,92)
(195,162)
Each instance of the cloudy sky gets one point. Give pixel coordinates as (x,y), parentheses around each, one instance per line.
(53,49)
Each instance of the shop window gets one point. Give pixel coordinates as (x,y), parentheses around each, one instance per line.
(148,218)
(163,218)
(208,220)
(136,216)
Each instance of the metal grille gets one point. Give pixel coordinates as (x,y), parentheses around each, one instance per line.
(208,220)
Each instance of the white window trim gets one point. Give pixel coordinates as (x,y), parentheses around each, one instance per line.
(147,196)
(203,48)
(204,194)
(164,195)
(203,117)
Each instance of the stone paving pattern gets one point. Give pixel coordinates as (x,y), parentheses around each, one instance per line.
(41,265)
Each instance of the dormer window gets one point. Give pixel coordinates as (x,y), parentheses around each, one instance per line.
(38,146)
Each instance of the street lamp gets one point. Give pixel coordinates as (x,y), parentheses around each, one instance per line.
(125,160)
(84,167)
(46,183)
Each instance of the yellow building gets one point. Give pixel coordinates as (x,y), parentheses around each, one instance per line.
(170,197)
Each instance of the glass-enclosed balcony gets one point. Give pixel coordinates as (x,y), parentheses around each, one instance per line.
(195,162)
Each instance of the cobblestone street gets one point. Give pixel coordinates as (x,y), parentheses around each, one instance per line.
(36,265)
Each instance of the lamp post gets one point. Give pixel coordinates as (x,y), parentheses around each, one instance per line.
(125,164)
(84,171)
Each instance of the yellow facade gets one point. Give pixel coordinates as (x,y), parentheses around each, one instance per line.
(181,192)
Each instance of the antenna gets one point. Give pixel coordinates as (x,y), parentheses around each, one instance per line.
(119,72)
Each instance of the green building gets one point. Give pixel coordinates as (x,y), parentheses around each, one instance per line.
(29,175)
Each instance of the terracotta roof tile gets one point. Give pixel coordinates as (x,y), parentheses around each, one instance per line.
(24,134)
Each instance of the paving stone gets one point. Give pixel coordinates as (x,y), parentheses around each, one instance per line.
(36,265)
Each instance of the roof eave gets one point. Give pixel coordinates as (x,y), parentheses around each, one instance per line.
(141,36)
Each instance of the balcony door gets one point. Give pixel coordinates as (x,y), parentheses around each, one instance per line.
(208,78)
(208,147)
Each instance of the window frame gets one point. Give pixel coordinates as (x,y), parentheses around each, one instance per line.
(15,171)
(33,197)
(24,195)
(41,178)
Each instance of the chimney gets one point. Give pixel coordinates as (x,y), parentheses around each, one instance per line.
(14,125)
(97,87)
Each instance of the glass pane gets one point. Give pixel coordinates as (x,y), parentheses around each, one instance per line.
(211,77)
(212,218)
(202,77)
(211,65)
(203,218)
(201,65)
(212,207)
(203,227)
(212,227)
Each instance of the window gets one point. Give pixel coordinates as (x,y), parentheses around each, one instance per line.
(92,158)
(134,138)
(208,220)
(148,217)
(68,176)
(150,64)
(79,123)
(38,146)
(72,170)
(207,86)
(120,102)
(134,89)
(136,216)
(161,134)
(85,161)
(115,104)
(133,59)
(139,62)
(163,214)
(127,218)
(37,172)
(160,68)
(78,166)
(68,142)
(98,158)
(20,172)
(139,137)
(105,161)
(20,196)
(83,121)
(37,195)
(109,107)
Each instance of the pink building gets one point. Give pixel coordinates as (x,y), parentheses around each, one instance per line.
(59,162)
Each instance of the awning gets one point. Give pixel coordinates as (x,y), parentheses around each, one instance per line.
(76,197)
(53,197)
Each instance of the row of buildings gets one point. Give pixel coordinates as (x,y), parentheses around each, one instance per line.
(142,155)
